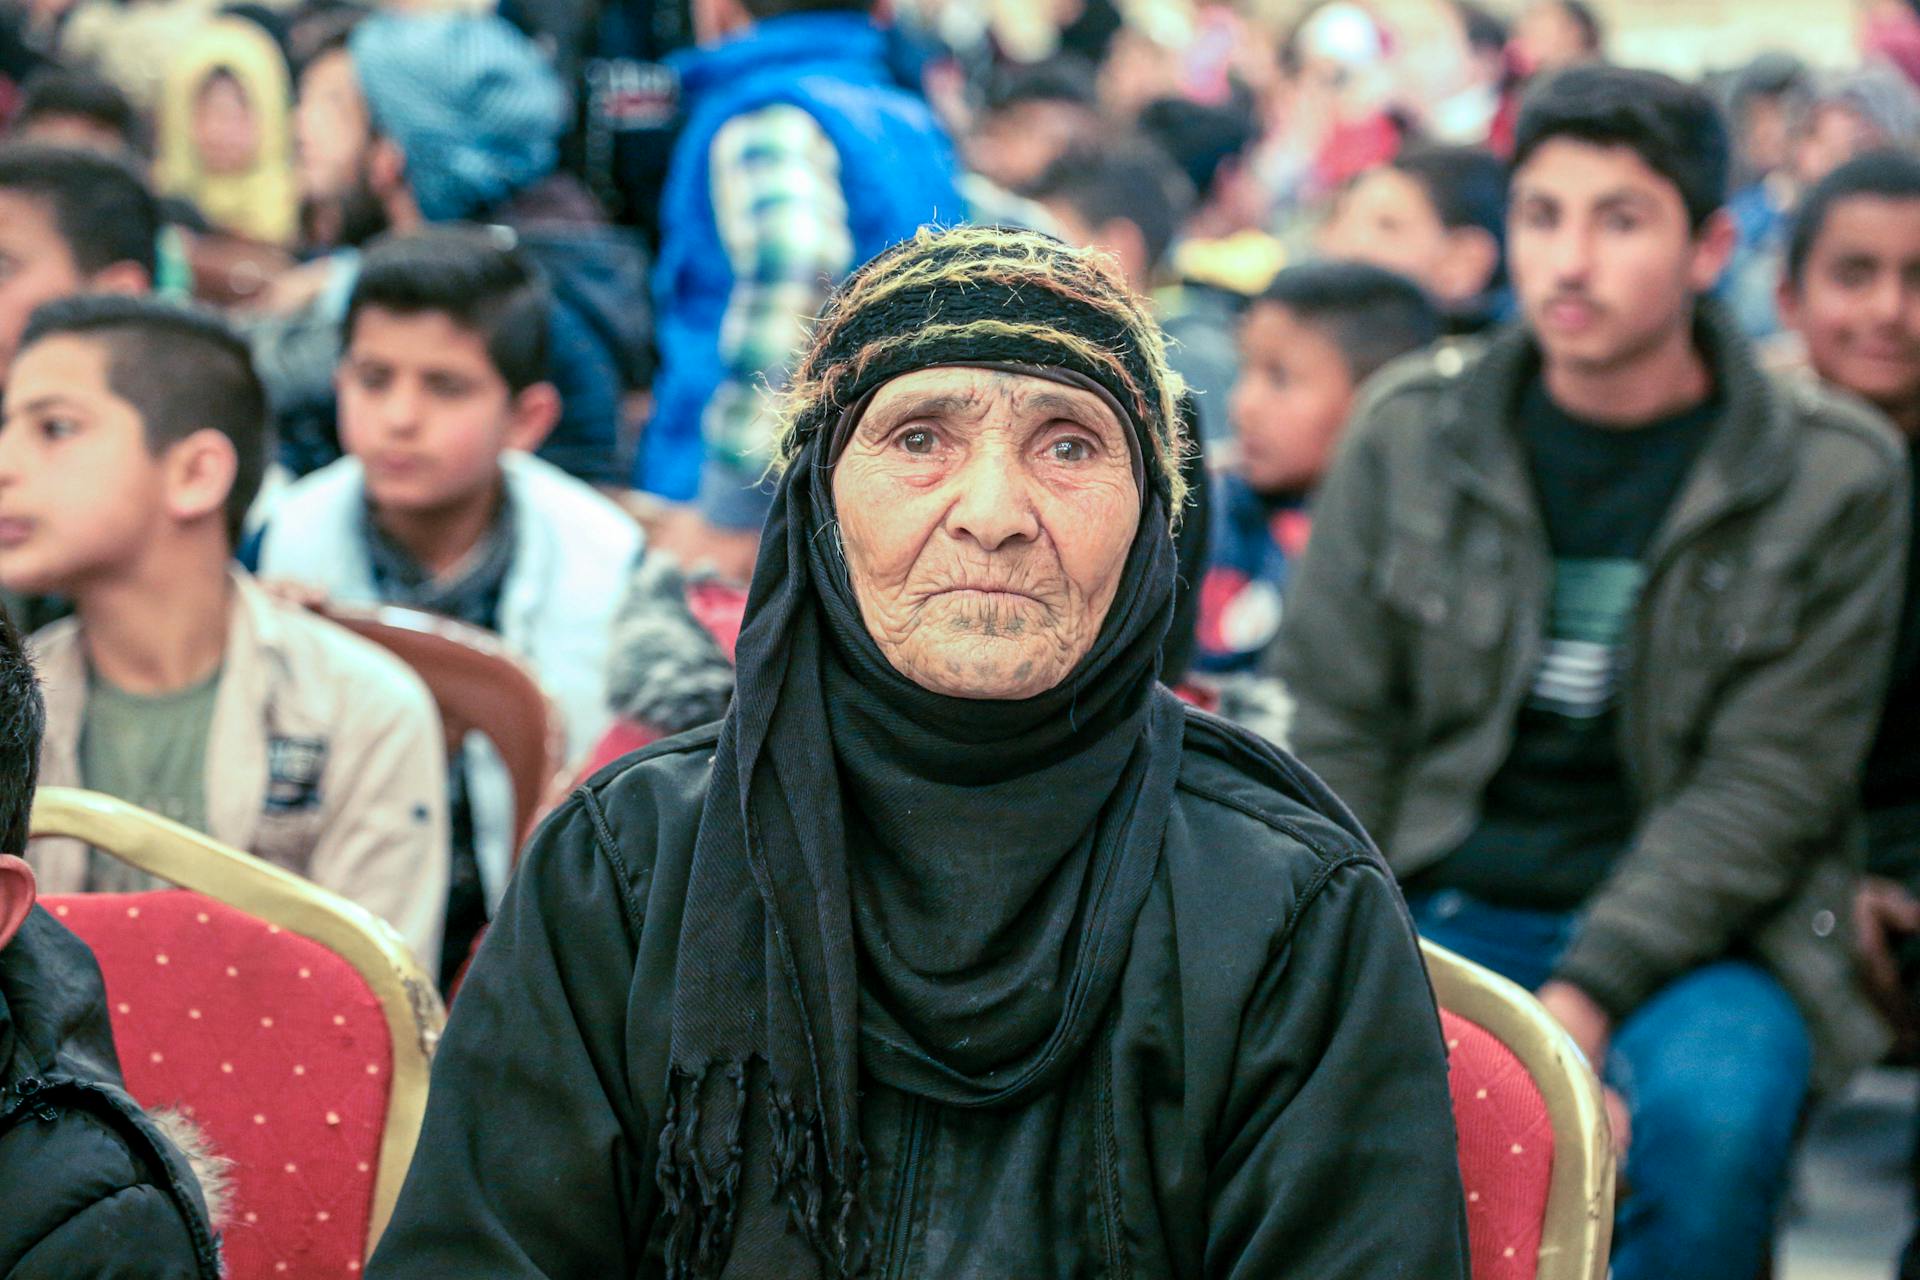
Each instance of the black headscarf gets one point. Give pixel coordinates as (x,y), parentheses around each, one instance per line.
(939,891)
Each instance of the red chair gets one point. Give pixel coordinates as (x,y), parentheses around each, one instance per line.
(1536,1158)
(291,1025)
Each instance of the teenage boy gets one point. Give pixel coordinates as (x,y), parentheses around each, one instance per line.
(93,1185)
(71,221)
(1852,292)
(132,443)
(1436,215)
(1307,343)
(441,505)
(1592,635)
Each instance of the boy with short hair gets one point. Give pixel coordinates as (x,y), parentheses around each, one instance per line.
(1307,343)
(1437,215)
(132,444)
(1592,636)
(71,221)
(91,1182)
(441,505)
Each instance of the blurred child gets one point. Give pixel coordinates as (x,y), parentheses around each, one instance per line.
(92,1184)
(441,505)
(226,132)
(1308,342)
(1438,216)
(132,443)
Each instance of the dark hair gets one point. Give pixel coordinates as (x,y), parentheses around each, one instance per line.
(1468,188)
(23,722)
(1199,138)
(777,8)
(1888,172)
(56,91)
(1675,128)
(101,207)
(1485,30)
(1373,315)
(1130,179)
(1061,79)
(472,277)
(182,368)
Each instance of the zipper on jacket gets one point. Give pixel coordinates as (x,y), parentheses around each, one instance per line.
(900,1229)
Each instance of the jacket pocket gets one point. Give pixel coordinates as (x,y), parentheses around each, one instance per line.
(1456,618)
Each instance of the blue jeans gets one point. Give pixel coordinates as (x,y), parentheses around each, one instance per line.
(1713,1069)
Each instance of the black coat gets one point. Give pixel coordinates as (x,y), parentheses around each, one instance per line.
(1268,1097)
(89,1185)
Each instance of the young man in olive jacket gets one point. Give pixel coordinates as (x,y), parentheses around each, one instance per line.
(90,1185)
(1592,635)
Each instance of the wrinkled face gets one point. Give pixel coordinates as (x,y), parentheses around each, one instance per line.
(36,266)
(424,409)
(1290,401)
(986,518)
(80,492)
(1386,218)
(1602,254)
(331,127)
(1857,300)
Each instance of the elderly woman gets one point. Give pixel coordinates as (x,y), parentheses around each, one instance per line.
(960,948)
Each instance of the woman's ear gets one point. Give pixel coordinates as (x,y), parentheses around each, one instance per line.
(536,410)
(17,892)
(200,473)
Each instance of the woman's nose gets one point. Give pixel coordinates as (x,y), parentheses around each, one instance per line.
(995,502)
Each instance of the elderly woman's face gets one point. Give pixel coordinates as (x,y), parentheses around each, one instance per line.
(986,518)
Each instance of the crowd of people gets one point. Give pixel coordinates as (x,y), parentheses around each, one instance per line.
(868,414)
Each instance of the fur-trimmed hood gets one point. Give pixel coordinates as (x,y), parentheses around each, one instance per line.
(665,671)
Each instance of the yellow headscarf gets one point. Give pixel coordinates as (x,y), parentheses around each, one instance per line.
(262,202)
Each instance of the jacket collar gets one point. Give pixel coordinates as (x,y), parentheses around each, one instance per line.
(1747,454)
(797,41)
(53,1006)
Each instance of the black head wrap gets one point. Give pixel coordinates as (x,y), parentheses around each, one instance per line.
(937,891)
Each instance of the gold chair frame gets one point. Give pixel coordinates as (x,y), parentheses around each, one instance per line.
(193,861)
(1578,1226)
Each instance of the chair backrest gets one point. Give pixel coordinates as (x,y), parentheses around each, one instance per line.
(479,687)
(293,1026)
(1535,1156)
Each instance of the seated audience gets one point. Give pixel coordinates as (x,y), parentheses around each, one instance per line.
(1033,115)
(224,133)
(408,119)
(92,1184)
(960,947)
(1307,343)
(1852,292)
(441,505)
(1591,635)
(1438,216)
(132,443)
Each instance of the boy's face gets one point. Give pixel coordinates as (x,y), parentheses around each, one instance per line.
(36,266)
(81,495)
(1603,258)
(1386,219)
(1856,303)
(426,412)
(1290,401)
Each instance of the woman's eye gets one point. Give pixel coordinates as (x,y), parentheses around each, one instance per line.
(920,442)
(59,428)
(1070,449)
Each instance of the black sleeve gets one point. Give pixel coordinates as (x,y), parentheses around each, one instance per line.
(530,1160)
(1337,1157)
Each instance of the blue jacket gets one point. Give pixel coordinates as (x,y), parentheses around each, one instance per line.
(1255,541)
(898,171)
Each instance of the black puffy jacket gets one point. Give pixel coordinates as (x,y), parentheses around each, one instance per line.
(89,1184)
(1267,1098)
